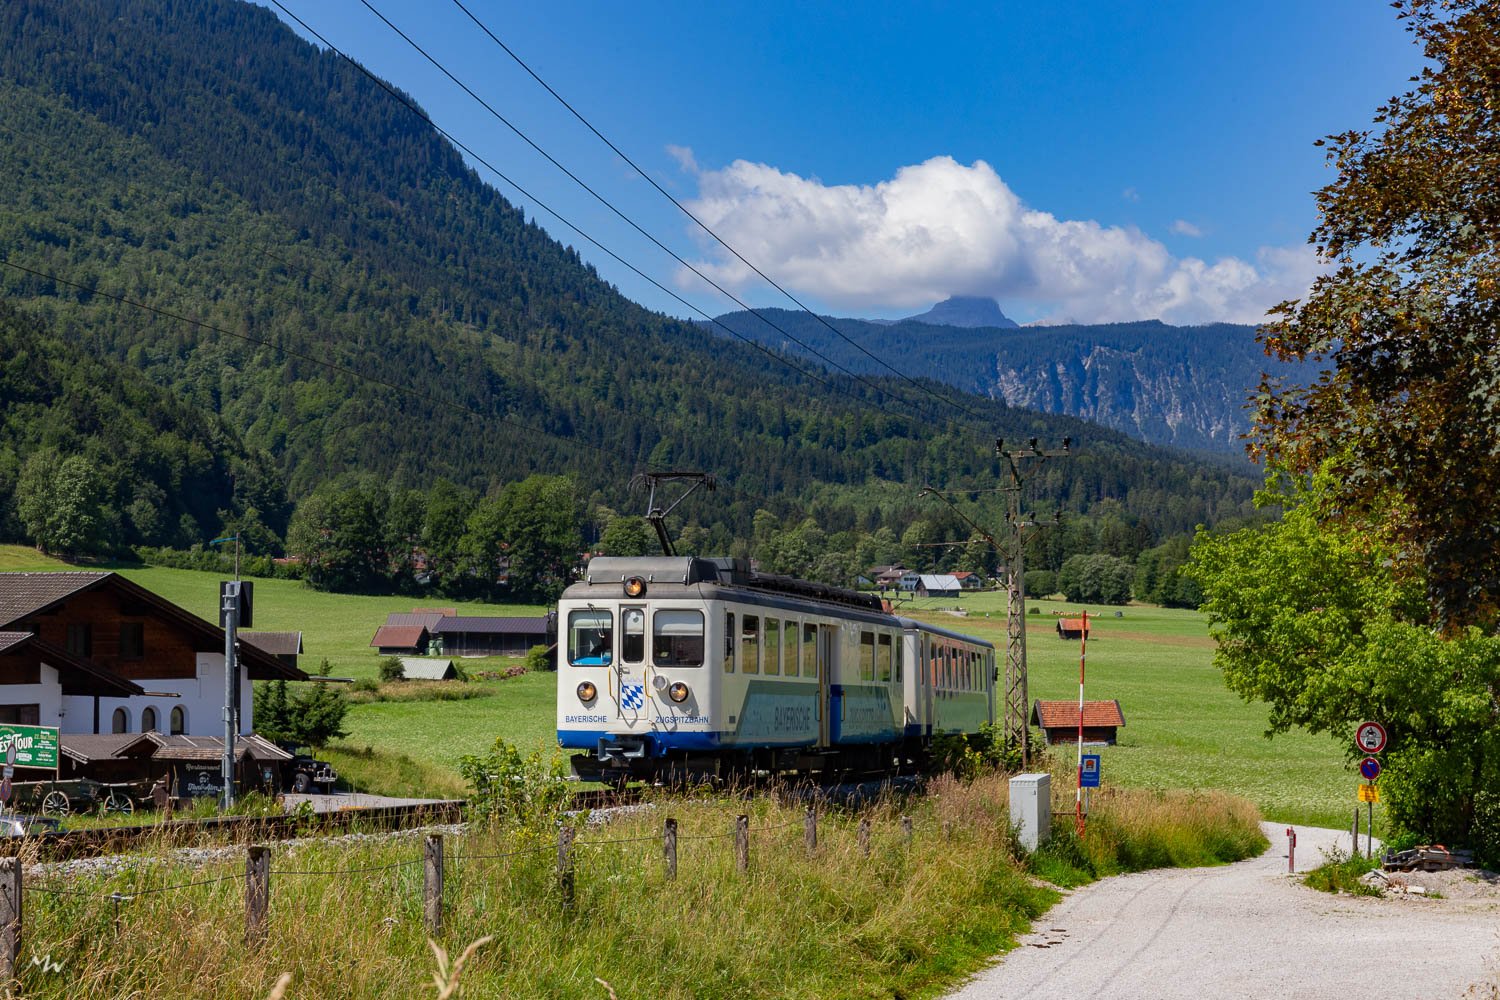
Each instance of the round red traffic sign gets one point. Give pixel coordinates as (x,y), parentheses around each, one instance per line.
(1370,737)
(1369,768)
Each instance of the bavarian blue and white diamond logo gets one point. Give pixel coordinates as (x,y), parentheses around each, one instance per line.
(633,695)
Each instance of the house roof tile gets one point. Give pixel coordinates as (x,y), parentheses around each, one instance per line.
(1064,714)
(398,636)
(212,748)
(23,594)
(275,643)
(404,619)
(482,624)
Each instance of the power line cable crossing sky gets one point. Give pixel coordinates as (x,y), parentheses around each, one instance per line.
(1093,164)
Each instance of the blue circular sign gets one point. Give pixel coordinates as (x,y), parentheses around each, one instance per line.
(1369,768)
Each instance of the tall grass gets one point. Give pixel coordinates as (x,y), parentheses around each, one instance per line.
(347,921)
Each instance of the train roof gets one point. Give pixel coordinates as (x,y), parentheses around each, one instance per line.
(939,630)
(737,574)
(686,570)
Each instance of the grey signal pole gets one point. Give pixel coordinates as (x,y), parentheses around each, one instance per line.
(231,609)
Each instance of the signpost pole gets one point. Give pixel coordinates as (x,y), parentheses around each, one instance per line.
(231,624)
(1083,643)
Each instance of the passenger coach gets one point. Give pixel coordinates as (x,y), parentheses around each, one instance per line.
(679,667)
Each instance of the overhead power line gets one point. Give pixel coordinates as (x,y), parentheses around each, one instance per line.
(607,203)
(410,106)
(687,212)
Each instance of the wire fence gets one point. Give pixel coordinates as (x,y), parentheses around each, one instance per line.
(438,875)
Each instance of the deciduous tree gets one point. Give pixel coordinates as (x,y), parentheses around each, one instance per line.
(1407,409)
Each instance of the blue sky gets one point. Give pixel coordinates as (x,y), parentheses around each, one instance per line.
(1086,161)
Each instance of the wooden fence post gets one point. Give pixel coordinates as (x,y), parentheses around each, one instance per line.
(864,836)
(906,830)
(810,829)
(432,884)
(742,842)
(669,847)
(10,921)
(565,865)
(257,893)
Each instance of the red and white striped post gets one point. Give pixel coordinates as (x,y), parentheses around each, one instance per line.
(1083,645)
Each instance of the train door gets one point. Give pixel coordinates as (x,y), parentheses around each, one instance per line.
(630,669)
(827,639)
(929,683)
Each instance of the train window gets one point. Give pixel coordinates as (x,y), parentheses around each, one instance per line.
(591,638)
(867,656)
(677,638)
(632,634)
(750,644)
(789,649)
(729,635)
(770,657)
(900,658)
(884,662)
(809,650)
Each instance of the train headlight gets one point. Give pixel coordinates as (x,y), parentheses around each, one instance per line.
(678,692)
(635,587)
(659,682)
(587,691)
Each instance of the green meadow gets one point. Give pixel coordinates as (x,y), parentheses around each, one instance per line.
(1183,729)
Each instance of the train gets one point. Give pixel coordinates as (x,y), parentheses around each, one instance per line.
(683,668)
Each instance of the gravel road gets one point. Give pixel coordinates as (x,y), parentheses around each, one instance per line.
(1250,930)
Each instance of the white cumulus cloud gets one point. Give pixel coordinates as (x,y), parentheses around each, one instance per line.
(940,228)
(1183,227)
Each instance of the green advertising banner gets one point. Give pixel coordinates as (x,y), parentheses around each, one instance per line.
(36,746)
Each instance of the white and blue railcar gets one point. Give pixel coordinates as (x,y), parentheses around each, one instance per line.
(680,667)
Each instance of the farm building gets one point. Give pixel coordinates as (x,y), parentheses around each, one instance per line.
(421,668)
(938,585)
(393,640)
(439,632)
(92,652)
(285,646)
(1073,628)
(1058,721)
(479,635)
(969,581)
(886,577)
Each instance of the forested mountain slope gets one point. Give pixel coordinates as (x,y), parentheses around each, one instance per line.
(196,157)
(161,465)
(1180,386)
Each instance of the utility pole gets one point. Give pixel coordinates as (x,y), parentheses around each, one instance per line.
(230,609)
(229,617)
(1019,461)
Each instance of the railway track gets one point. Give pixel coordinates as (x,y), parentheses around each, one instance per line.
(101,841)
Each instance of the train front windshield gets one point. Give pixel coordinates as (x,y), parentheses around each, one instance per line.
(591,638)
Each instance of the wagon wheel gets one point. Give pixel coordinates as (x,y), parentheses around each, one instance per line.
(117,803)
(56,803)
